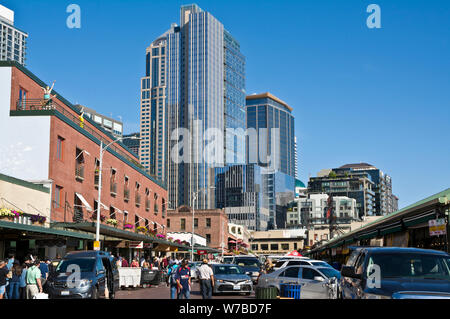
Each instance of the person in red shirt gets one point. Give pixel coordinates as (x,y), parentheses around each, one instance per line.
(124,263)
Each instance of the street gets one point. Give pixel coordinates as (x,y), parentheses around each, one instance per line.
(163,292)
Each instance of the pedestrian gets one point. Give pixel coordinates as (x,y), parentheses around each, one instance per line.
(43,267)
(124,262)
(165,262)
(3,276)
(23,281)
(268,266)
(172,282)
(34,285)
(183,278)
(134,264)
(11,259)
(206,277)
(156,263)
(119,262)
(14,282)
(146,264)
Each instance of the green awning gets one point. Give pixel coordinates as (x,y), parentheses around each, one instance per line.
(368,235)
(45,230)
(390,230)
(349,241)
(408,222)
(339,243)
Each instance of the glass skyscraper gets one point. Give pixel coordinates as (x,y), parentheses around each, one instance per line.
(265,114)
(196,82)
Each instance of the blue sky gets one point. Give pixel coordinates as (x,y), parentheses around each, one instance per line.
(380,96)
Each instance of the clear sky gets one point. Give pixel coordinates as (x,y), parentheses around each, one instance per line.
(380,96)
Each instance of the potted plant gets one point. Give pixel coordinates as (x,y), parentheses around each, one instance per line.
(6,213)
(38,219)
(170,239)
(161,236)
(141,229)
(128,226)
(111,221)
(94,217)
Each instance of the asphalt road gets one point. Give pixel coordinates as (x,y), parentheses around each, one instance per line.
(163,292)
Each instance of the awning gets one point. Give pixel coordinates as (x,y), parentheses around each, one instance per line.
(115,208)
(419,219)
(368,235)
(104,206)
(84,201)
(390,229)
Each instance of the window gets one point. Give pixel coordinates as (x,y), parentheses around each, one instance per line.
(208,222)
(285,246)
(59,148)
(208,238)
(309,273)
(264,247)
(195,222)
(22,99)
(254,246)
(273,246)
(58,196)
(183,224)
(168,223)
(291,272)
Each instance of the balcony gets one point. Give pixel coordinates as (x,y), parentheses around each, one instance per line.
(113,189)
(79,172)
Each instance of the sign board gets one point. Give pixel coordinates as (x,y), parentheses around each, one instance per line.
(136,244)
(201,252)
(437,227)
(96,245)
(148,245)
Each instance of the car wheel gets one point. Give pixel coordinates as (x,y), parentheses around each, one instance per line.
(94,292)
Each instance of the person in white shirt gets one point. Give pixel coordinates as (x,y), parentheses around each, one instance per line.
(206,277)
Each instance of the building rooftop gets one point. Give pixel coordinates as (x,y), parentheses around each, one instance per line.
(358,166)
(269,96)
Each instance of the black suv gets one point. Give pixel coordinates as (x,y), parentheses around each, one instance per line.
(396,273)
(84,274)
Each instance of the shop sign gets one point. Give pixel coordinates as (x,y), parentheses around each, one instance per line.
(437,227)
(136,244)
(201,252)
(96,245)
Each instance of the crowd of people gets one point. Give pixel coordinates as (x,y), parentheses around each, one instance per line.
(23,280)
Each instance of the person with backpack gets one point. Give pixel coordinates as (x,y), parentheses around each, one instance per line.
(172,282)
(183,278)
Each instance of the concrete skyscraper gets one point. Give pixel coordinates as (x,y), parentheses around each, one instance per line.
(13,42)
(195,82)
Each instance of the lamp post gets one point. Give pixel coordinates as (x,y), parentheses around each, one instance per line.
(194,198)
(102,150)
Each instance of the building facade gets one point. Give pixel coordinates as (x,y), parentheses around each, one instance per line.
(132,141)
(277,242)
(195,81)
(53,144)
(13,42)
(371,188)
(273,123)
(211,224)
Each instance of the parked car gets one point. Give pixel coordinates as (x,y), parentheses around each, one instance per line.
(396,273)
(231,278)
(300,262)
(193,266)
(98,271)
(250,264)
(315,282)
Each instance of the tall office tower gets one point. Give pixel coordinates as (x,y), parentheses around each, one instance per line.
(266,113)
(13,41)
(203,85)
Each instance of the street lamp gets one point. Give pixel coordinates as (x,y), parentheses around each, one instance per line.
(102,150)
(194,197)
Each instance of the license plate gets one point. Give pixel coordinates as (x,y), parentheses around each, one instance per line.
(236,288)
(65,293)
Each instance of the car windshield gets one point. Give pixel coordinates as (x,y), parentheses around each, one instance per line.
(247,262)
(280,263)
(330,272)
(85,265)
(227,270)
(410,265)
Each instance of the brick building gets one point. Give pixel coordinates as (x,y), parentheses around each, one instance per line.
(209,223)
(51,142)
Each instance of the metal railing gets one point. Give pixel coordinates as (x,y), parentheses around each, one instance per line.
(126,194)
(138,200)
(79,171)
(147,204)
(113,188)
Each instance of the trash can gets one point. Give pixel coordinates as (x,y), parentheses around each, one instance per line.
(266,293)
(147,276)
(290,291)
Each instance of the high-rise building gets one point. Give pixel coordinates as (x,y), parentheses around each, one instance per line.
(195,80)
(13,42)
(371,188)
(133,142)
(273,122)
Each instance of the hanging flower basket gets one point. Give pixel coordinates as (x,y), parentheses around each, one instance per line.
(141,229)
(6,214)
(128,226)
(161,236)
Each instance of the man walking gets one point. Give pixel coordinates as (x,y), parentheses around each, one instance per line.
(3,272)
(206,277)
(183,278)
(34,285)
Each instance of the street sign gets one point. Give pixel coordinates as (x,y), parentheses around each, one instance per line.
(437,227)
(96,245)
